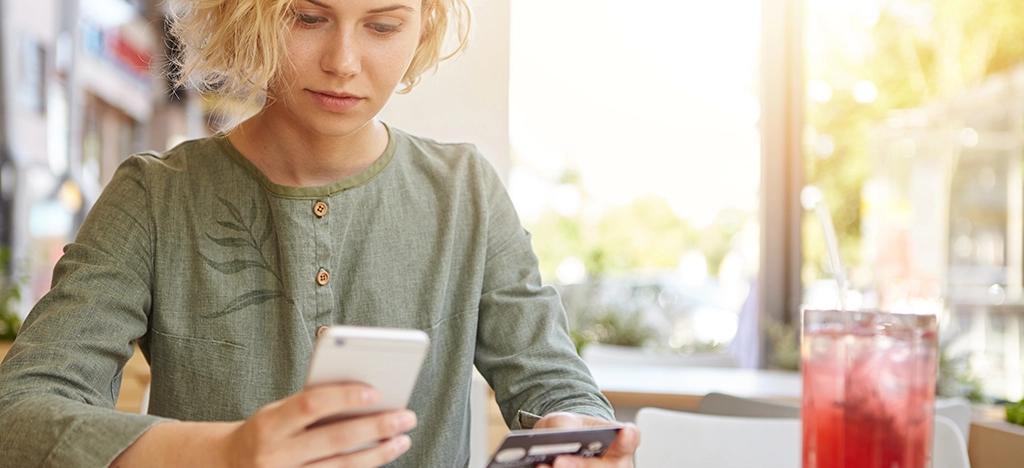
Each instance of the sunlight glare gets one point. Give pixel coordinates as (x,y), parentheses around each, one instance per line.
(642,97)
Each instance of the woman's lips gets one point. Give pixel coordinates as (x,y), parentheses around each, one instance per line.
(335,102)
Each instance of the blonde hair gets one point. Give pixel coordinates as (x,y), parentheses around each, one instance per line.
(235,48)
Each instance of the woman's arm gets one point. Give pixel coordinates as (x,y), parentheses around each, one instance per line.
(179,444)
(278,435)
(524,349)
(523,344)
(61,378)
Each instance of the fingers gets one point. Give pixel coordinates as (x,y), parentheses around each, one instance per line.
(279,434)
(375,456)
(620,452)
(573,462)
(566,461)
(297,412)
(332,439)
(625,443)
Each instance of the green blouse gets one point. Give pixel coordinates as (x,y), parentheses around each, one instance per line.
(223,278)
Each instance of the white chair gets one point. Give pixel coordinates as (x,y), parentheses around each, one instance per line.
(958,410)
(604,354)
(948,447)
(674,438)
(721,404)
(678,439)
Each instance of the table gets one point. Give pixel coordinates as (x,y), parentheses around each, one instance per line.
(630,388)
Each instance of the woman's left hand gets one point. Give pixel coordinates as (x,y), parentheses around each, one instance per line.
(619,454)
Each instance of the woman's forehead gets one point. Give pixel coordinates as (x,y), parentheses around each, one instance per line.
(370,5)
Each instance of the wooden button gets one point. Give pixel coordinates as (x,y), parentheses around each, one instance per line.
(323,277)
(320,209)
(320,331)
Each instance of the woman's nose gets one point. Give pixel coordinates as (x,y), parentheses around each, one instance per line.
(341,56)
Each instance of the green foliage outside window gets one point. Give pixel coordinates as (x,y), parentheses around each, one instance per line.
(627,243)
(10,295)
(956,378)
(593,320)
(919,51)
(645,235)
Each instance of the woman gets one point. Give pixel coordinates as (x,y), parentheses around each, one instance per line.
(224,256)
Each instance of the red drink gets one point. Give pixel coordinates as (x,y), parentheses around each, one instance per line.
(869,389)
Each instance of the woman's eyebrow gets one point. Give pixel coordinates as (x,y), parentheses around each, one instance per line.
(373,11)
(391,8)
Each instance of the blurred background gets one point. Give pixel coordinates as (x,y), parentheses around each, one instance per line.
(666,156)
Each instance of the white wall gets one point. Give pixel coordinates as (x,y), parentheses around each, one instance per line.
(467,99)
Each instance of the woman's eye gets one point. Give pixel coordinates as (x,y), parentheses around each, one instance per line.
(384,29)
(308,20)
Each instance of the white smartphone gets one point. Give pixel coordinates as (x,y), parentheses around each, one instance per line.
(388,359)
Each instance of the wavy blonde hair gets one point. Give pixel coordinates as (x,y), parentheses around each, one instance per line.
(235,48)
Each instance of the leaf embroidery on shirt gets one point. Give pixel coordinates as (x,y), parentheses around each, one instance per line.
(245,239)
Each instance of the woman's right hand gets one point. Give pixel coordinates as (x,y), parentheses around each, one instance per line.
(279,434)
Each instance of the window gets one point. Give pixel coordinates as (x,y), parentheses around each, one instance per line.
(636,162)
(914,138)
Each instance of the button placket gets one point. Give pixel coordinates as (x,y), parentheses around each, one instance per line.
(321,225)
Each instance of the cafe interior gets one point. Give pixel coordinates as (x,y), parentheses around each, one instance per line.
(703,182)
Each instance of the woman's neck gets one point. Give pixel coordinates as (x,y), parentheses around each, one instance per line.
(304,159)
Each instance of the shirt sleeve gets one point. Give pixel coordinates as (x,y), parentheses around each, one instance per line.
(523,345)
(62,376)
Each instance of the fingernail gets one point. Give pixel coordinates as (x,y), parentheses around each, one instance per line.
(402,443)
(405,420)
(369,395)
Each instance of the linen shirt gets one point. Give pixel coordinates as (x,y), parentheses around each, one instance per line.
(223,278)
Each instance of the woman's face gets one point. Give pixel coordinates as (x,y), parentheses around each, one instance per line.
(346,59)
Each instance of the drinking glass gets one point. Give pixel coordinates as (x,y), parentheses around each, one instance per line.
(868,389)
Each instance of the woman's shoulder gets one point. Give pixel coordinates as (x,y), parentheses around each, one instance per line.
(426,147)
(182,167)
(451,157)
(426,143)
(180,156)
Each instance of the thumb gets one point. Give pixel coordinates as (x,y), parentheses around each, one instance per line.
(625,443)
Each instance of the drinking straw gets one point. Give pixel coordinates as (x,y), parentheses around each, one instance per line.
(832,245)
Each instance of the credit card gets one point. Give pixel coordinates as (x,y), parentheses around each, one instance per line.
(527,449)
